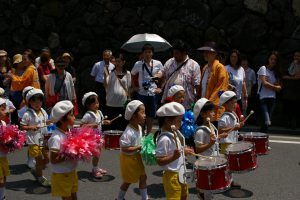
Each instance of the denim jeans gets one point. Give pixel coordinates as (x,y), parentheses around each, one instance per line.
(267,106)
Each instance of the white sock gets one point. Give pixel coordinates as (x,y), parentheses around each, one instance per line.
(2,193)
(144,194)
(121,195)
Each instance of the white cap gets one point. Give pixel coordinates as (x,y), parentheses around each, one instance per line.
(87,95)
(174,89)
(226,96)
(1,91)
(2,101)
(60,109)
(198,106)
(170,109)
(26,89)
(32,92)
(131,108)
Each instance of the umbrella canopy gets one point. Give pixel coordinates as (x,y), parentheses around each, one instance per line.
(136,43)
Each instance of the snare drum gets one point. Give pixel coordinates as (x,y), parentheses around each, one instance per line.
(112,139)
(241,157)
(212,174)
(261,141)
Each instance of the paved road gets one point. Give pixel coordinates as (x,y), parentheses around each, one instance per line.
(277,177)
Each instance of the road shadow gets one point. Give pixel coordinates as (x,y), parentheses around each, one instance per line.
(154,191)
(238,193)
(84,175)
(18,169)
(30,187)
(158,173)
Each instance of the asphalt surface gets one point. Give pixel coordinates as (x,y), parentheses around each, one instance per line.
(277,177)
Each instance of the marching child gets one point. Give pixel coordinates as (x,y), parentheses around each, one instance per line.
(94,118)
(132,167)
(64,176)
(4,169)
(175,94)
(205,136)
(34,121)
(23,106)
(228,121)
(168,150)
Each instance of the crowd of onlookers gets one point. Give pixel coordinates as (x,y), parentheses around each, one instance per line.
(149,80)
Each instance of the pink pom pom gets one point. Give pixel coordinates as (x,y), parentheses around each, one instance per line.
(11,138)
(81,144)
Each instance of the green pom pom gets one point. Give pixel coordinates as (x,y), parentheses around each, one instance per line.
(192,106)
(148,150)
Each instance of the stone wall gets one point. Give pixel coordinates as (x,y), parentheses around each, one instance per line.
(86,27)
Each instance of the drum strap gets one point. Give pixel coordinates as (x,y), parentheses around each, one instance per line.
(204,128)
(232,116)
(94,115)
(33,113)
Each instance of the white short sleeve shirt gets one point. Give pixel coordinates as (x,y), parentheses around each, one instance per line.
(229,120)
(98,71)
(202,136)
(270,76)
(54,144)
(236,78)
(91,117)
(131,138)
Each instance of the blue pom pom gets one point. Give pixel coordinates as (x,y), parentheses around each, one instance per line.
(220,92)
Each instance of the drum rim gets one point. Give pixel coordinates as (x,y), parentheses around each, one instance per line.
(218,190)
(218,166)
(239,152)
(249,135)
(110,132)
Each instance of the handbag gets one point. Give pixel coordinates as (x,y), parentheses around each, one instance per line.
(51,100)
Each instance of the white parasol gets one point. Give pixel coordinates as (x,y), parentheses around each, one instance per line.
(136,43)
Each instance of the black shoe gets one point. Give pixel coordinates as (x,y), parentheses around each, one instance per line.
(235,185)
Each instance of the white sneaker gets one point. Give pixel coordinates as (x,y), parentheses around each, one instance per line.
(31,163)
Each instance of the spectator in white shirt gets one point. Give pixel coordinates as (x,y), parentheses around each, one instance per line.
(99,71)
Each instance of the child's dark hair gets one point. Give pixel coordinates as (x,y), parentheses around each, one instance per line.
(63,119)
(36,97)
(161,121)
(208,106)
(3,105)
(89,101)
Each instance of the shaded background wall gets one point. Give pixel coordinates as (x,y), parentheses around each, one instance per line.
(86,27)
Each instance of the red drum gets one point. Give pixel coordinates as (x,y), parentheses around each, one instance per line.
(261,141)
(241,157)
(212,174)
(112,139)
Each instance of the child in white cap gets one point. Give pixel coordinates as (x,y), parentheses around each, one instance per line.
(23,106)
(168,150)
(94,118)
(34,121)
(10,108)
(132,167)
(175,94)
(205,136)
(64,176)
(227,121)
(4,168)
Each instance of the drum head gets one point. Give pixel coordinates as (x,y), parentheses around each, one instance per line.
(210,162)
(255,134)
(113,132)
(239,147)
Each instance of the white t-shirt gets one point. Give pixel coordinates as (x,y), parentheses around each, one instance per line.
(3,154)
(165,147)
(236,78)
(131,138)
(204,81)
(91,117)
(270,76)
(98,70)
(202,136)
(54,144)
(31,118)
(115,94)
(144,76)
(250,79)
(229,120)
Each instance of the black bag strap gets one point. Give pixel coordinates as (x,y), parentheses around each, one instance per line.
(148,71)
(62,83)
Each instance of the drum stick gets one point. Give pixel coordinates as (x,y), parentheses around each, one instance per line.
(251,113)
(173,127)
(199,155)
(120,115)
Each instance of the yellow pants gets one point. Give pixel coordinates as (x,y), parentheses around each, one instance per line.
(64,184)
(35,150)
(223,147)
(132,167)
(173,189)
(4,169)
